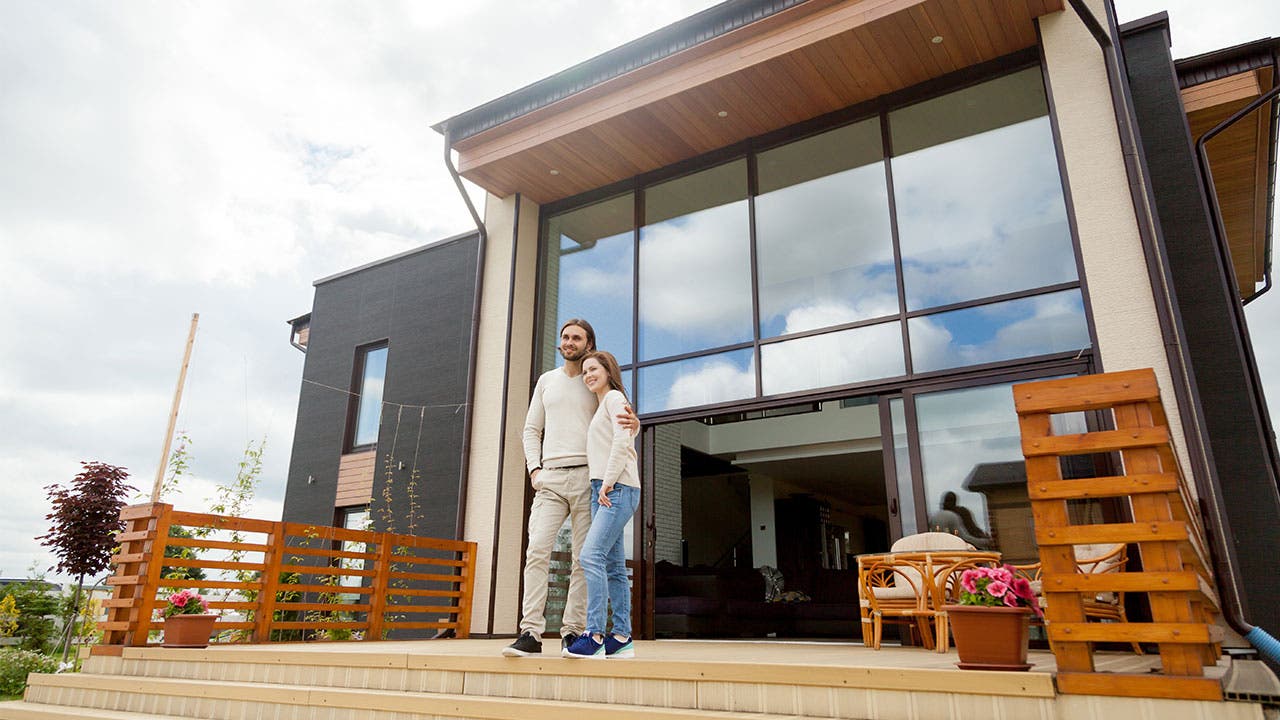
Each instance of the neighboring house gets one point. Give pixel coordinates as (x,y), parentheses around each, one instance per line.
(382,406)
(823,240)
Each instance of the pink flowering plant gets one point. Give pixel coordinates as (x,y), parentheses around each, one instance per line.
(186,602)
(997,587)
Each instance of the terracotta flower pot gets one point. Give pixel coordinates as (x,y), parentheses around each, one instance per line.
(990,638)
(188,631)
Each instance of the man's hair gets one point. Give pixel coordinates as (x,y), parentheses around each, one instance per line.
(591,332)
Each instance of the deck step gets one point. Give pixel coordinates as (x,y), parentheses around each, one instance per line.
(229,700)
(22,710)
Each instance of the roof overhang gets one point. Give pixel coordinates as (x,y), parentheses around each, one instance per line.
(1242,157)
(784,67)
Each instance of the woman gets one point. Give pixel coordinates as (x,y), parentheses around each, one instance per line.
(615,486)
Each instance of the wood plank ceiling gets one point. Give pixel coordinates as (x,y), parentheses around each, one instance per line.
(1238,158)
(812,59)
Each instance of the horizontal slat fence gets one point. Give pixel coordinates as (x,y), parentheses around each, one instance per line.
(1176,575)
(283,582)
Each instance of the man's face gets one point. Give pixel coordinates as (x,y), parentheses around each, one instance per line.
(573,343)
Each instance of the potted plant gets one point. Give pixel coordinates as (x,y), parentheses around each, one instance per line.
(991,625)
(187,620)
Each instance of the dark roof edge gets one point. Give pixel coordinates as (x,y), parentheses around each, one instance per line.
(710,23)
(300,318)
(1146,23)
(414,251)
(1217,64)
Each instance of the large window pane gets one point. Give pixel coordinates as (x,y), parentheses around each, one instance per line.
(372,375)
(1001,331)
(823,241)
(975,477)
(838,358)
(590,256)
(978,194)
(699,381)
(695,263)
(975,481)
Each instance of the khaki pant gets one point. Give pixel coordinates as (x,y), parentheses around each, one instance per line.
(562,493)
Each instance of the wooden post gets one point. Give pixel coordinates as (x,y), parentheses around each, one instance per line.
(173,411)
(269,583)
(379,586)
(467,586)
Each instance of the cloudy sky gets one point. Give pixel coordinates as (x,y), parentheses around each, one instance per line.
(164,158)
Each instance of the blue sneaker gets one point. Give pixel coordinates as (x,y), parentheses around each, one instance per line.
(621,649)
(584,647)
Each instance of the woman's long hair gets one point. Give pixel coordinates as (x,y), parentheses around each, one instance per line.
(610,365)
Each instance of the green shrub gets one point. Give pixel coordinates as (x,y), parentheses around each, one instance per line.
(14,666)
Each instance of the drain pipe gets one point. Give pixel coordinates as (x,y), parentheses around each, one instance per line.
(1206,173)
(1222,560)
(1255,635)
(467,419)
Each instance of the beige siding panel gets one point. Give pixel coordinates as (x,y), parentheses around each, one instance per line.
(486,481)
(1120,292)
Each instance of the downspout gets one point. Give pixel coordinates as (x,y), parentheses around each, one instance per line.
(1222,557)
(467,418)
(1271,192)
(1255,635)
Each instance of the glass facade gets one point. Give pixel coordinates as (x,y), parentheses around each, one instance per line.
(924,239)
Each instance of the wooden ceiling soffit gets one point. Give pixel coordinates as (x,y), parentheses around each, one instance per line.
(1238,158)
(803,62)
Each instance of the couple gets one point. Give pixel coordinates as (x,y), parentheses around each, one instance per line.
(578,445)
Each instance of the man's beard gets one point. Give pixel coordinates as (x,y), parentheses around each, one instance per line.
(578,355)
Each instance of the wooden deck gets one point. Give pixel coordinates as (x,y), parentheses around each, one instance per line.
(738,680)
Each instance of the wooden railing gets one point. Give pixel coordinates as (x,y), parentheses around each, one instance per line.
(281,582)
(1164,525)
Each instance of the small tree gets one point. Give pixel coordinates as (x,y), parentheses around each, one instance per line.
(85,521)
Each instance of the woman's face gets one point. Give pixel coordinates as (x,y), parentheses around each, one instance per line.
(594,375)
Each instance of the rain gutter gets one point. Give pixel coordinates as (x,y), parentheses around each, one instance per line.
(1222,557)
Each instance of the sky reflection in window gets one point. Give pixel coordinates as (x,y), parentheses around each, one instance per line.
(699,381)
(1002,331)
(838,358)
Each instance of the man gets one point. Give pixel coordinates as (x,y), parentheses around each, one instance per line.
(555,450)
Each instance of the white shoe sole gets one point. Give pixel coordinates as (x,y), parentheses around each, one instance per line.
(512,652)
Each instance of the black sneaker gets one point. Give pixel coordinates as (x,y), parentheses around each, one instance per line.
(568,639)
(524,646)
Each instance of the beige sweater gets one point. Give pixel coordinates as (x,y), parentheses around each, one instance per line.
(611,450)
(555,430)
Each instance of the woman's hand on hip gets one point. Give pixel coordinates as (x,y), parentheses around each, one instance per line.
(603,499)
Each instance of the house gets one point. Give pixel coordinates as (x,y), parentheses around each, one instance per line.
(823,239)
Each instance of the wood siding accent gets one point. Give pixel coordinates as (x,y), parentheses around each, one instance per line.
(1238,159)
(355,478)
(1166,527)
(812,59)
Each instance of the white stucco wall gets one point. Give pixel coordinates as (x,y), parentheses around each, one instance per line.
(1119,287)
(486,434)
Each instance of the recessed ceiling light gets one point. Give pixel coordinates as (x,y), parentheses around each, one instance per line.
(936,39)
(723,113)
(554,172)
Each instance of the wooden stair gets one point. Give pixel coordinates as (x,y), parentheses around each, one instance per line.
(469,679)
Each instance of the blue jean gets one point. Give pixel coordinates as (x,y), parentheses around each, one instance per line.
(604,559)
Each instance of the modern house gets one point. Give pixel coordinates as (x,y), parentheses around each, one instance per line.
(823,239)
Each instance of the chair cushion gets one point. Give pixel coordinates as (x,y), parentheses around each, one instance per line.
(921,542)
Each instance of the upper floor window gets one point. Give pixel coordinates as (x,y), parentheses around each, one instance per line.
(367,381)
(918,240)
